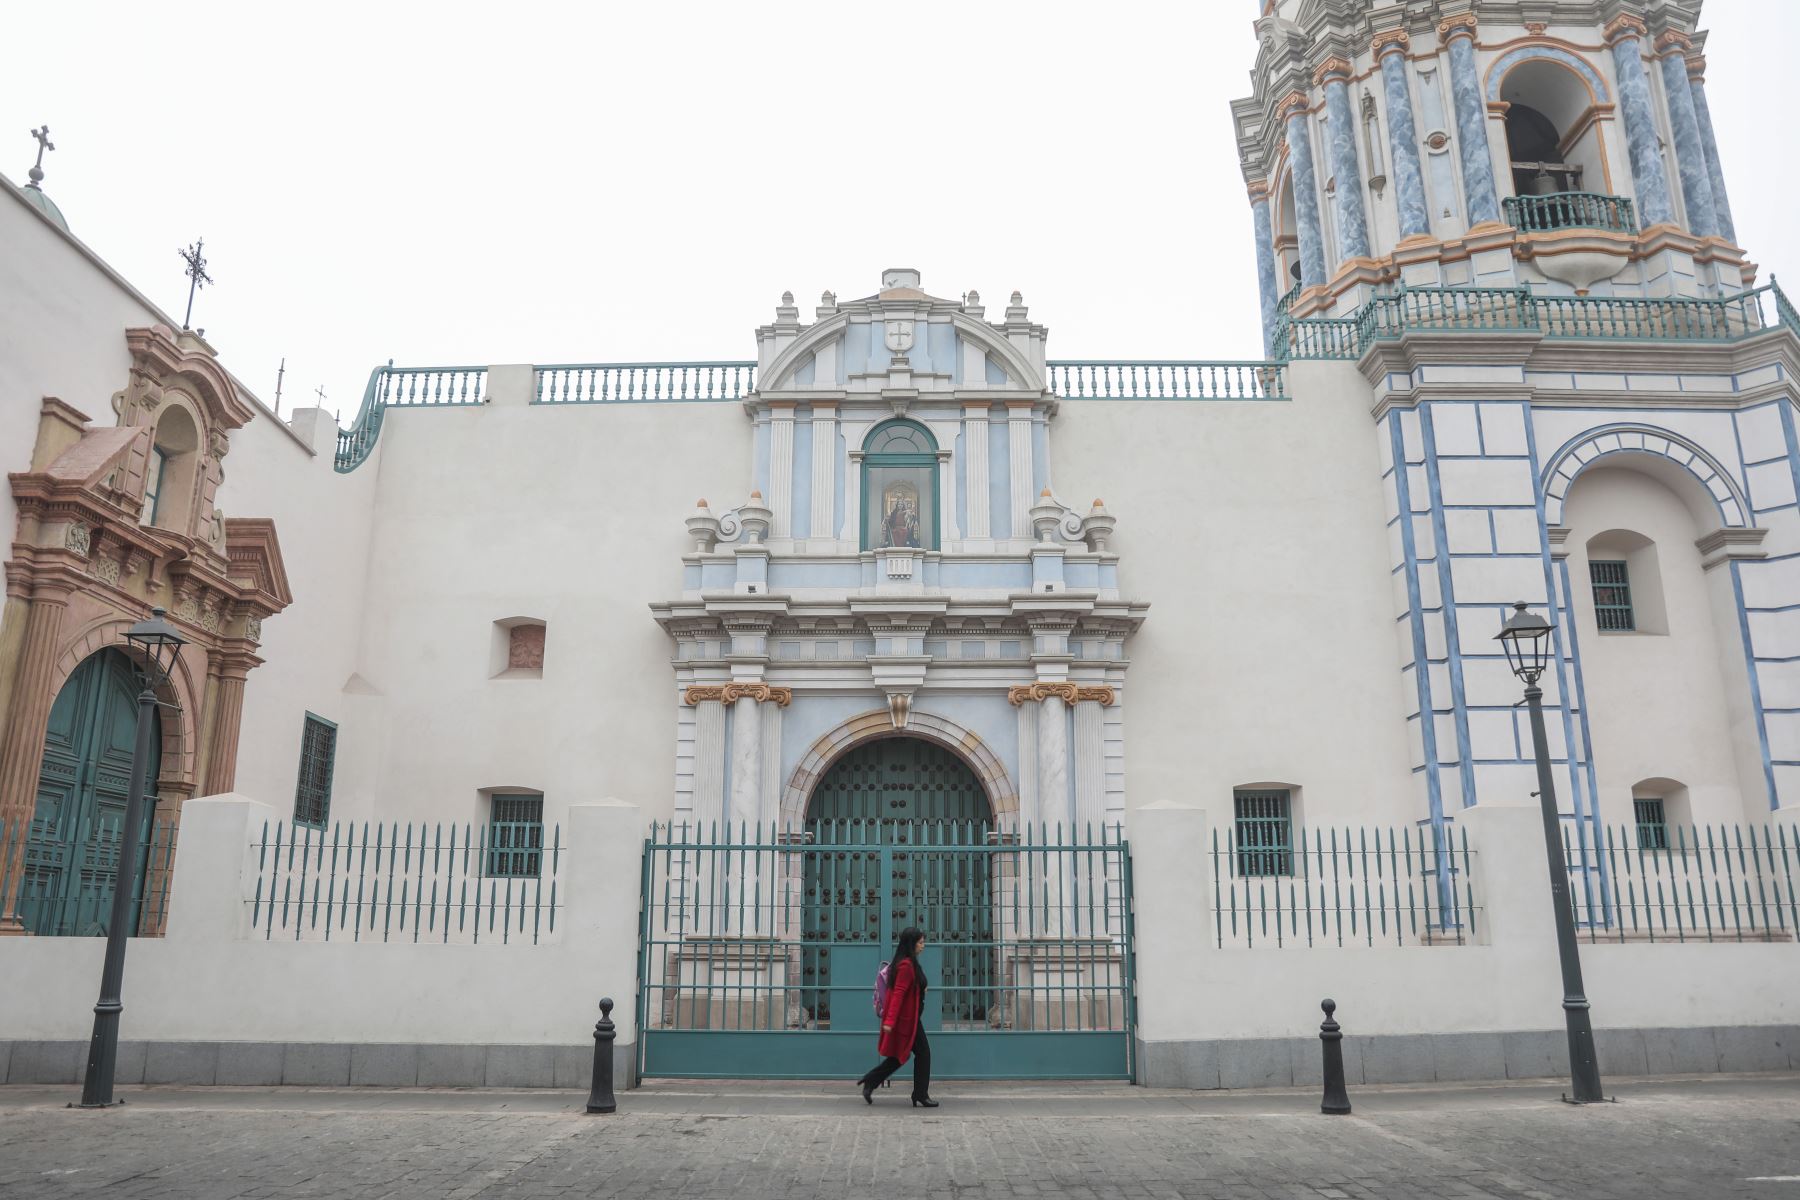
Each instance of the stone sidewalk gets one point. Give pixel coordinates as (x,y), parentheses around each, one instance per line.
(1673,1137)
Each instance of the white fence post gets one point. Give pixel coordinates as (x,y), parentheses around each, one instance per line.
(510,386)
(604,873)
(212,856)
(1171,877)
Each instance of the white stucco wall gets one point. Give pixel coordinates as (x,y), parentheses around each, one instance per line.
(1255,531)
(571,515)
(1658,706)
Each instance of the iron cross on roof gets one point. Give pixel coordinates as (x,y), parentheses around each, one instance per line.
(36,174)
(197,276)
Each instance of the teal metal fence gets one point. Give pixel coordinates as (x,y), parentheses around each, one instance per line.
(1686,883)
(405,387)
(424,882)
(760,946)
(1502,310)
(1570,210)
(1170,379)
(612,383)
(56,887)
(1340,887)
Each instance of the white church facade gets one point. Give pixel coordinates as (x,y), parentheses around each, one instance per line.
(1114,674)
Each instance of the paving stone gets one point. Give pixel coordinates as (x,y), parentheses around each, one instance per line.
(1671,1051)
(1621,1052)
(1255,1063)
(47,1062)
(1536,1054)
(1754,1047)
(1460,1056)
(521,1066)
(128,1063)
(1396,1060)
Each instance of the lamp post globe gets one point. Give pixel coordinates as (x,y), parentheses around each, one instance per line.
(1526,639)
(156,647)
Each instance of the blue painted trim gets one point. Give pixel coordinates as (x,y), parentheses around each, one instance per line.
(1422,679)
(1762,725)
(1447,591)
(1793,446)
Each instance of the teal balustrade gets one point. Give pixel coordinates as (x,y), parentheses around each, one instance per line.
(1570,210)
(1168,379)
(609,383)
(405,387)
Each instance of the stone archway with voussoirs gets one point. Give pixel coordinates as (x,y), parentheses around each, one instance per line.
(878,724)
(179,741)
(1620,444)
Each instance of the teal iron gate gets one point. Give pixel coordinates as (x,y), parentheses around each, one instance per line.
(759,947)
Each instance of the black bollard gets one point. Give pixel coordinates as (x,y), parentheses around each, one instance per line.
(600,1095)
(1337,1100)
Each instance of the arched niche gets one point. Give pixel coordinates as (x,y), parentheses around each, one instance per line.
(1554,101)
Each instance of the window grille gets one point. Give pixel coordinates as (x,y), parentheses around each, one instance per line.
(1652,824)
(1264,833)
(516,836)
(1612,597)
(318,753)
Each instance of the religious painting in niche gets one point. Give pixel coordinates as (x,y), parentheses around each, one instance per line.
(900,524)
(900,487)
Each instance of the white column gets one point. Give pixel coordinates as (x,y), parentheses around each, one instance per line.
(1029,811)
(746,760)
(1018,427)
(771,765)
(1053,763)
(709,766)
(975,467)
(1053,805)
(824,471)
(1090,768)
(947,500)
(853,499)
(781,467)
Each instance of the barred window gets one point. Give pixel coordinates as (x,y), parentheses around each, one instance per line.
(516,835)
(1612,597)
(1652,823)
(1265,836)
(318,752)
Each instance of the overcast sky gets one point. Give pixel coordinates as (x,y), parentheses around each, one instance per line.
(484,183)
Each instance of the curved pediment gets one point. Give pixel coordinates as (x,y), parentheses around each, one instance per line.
(933,343)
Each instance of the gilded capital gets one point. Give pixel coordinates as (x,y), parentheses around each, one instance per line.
(1672,41)
(1696,65)
(1390,39)
(1295,100)
(1101,693)
(1335,65)
(730,693)
(1623,26)
(1068,693)
(1462,24)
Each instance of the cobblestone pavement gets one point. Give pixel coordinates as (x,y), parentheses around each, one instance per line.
(1718,1136)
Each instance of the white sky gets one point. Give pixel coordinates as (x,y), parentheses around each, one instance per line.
(524,182)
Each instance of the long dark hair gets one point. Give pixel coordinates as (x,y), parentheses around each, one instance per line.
(910,937)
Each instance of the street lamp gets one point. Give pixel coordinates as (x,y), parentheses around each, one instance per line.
(158,648)
(1526,639)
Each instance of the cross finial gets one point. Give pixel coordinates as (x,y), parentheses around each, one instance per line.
(44,143)
(320,392)
(196,273)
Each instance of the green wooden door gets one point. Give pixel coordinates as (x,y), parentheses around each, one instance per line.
(72,852)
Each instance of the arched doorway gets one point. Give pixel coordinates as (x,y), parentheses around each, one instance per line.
(908,816)
(72,850)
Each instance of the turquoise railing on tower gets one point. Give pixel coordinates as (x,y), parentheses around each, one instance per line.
(1570,210)
(1166,379)
(405,387)
(606,383)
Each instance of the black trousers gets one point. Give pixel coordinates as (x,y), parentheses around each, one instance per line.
(921,1056)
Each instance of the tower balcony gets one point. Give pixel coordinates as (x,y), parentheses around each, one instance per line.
(1570,210)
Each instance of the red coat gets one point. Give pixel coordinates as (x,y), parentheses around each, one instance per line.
(905,1000)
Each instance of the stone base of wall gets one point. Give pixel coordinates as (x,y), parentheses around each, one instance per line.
(323,1064)
(1458,1057)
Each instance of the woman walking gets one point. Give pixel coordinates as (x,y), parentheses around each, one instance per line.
(902,1034)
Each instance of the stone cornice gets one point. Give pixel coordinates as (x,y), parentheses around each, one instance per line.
(1724,545)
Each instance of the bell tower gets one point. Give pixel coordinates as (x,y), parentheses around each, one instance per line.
(1565,146)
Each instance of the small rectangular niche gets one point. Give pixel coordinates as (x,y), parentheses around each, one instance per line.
(517,648)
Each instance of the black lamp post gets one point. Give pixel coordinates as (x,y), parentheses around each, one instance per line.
(1526,639)
(158,646)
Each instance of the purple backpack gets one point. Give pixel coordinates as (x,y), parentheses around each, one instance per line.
(881,990)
